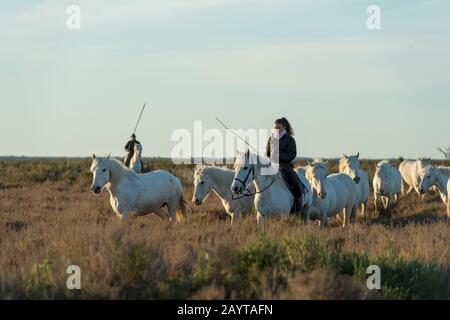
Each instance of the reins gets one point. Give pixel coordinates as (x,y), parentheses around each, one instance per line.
(246,191)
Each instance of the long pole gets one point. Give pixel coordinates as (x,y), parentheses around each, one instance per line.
(139,119)
(232,131)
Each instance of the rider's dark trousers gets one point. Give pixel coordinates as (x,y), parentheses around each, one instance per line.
(293,180)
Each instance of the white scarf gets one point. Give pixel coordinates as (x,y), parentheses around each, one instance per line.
(277,134)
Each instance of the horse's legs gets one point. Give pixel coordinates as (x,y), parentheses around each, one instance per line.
(235,217)
(364,207)
(172,211)
(162,214)
(388,203)
(260,218)
(418,193)
(448,207)
(348,215)
(376,202)
(323,219)
(305,213)
(383,202)
(410,189)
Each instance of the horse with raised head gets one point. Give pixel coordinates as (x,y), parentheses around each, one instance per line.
(332,194)
(273,197)
(387,183)
(438,177)
(209,179)
(157,192)
(350,165)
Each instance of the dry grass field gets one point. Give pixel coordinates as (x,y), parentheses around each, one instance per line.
(49,220)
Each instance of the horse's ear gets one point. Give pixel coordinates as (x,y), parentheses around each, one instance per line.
(357,156)
(309,163)
(109,156)
(94,156)
(345,156)
(325,162)
(203,161)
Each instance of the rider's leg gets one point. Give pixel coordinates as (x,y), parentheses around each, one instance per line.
(128,159)
(294,183)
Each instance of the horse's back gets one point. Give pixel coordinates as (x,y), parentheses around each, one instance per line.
(344,189)
(160,178)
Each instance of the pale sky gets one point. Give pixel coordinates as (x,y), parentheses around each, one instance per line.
(345,88)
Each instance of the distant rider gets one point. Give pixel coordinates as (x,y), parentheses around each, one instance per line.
(129,148)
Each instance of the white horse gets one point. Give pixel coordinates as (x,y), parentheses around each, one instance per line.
(138,194)
(350,165)
(411,170)
(272,195)
(387,182)
(136,161)
(218,180)
(438,177)
(331,194)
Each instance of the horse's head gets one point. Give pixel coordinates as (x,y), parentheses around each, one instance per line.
(428,178)
(202,185)
(244,171)
(382,172)
(101,173)
(422,163)
(317,173)
(350,166)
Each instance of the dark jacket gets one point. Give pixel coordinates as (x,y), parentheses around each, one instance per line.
(130,145)
(287,151)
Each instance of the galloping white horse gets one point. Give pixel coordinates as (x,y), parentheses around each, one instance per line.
(331,194)
(272,195)
(138,194)
(438,177)
(350,165)
(136,161)
(411,170)
(387,182)
(218,180)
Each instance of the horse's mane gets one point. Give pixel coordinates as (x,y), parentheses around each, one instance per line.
(344,160)
(200,168)
(382,166)
(382,163)
(122,169)
(317,163)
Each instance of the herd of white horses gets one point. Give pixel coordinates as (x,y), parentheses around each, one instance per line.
(248,187)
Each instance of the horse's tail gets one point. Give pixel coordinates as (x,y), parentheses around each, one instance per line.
(182,210)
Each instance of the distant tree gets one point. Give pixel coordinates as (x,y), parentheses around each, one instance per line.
(445,151)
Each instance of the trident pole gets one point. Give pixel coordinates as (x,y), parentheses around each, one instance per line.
(139,119)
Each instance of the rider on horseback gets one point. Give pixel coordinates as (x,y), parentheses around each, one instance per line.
(284,152)
(129,148)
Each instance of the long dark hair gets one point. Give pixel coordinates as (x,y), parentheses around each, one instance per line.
(285,123)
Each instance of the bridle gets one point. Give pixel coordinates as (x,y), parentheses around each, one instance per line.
(246,192)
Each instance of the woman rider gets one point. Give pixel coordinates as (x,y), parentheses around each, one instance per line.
(286,148)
